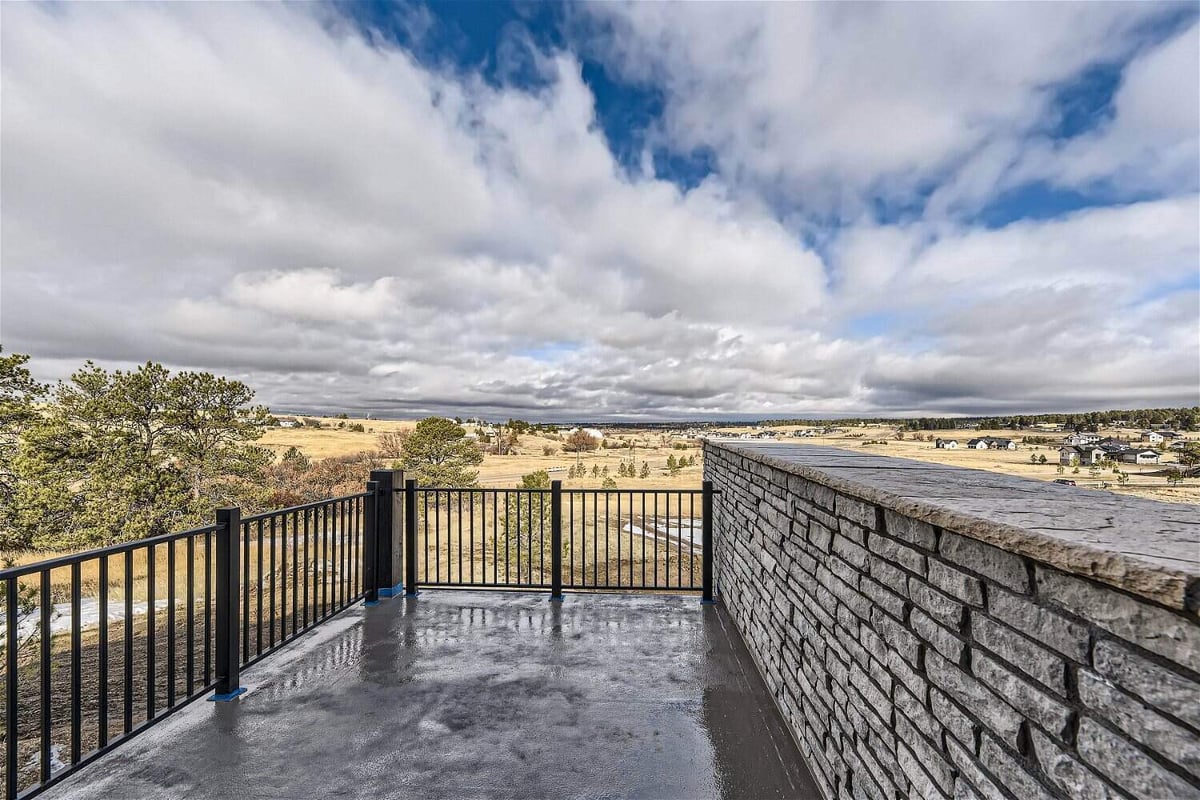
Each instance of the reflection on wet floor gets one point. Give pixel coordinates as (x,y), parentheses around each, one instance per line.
(470,694)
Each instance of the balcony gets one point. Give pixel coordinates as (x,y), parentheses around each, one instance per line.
(480,694)
(883,628)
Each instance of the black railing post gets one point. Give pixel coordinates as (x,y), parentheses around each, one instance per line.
(388,546)
(706,508)
(370,546)
(410,538)
(556,579)
(228,657)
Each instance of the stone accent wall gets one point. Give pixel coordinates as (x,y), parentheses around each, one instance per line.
(913,661)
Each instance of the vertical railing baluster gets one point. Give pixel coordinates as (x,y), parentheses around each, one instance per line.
(307,567)
(344,553)
(150,638)
(656,540)
(258,591)
(45,606)
(667,542)
(76,666)
(323,596)
(618,540)
(208,606)
(331,600)
(171,624)
(102,652)
(190,610)
(340,555)
(353,554)
(706,508)
(410,538)
(632,580)
(283,576)
(271,599)
(645,530)
(127,720)
(692,541)
(679,539)
(295,572)
(245,620)
(607,554)
(11,700)
(556,577)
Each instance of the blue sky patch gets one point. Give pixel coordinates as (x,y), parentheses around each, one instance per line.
(549,351)
(1188,283)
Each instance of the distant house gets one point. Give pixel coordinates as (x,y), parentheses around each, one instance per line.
(1139,456)
(1076,455)
(1112,447)
(1077,439)
(992,443)
(946,444)
(1153,437)
(289,423)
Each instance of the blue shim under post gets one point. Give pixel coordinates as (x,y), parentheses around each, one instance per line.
(225,698)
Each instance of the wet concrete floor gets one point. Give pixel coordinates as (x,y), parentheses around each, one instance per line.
(480,694)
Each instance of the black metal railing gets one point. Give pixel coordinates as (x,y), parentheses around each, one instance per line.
(301,566)
(99,645)
(555,539)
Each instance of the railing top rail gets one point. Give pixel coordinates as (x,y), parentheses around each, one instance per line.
(101,552)
(580,490)
(293,509)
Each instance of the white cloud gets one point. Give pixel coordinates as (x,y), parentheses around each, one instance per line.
(843,103)
(257,190)
(313,294)
(1151,142)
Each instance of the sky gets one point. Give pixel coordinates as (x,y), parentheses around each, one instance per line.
(611,211)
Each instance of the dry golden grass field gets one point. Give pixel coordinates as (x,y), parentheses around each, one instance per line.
(528,455)
(655,447)
(1142,482)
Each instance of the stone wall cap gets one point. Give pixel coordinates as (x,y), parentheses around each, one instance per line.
(1146,547)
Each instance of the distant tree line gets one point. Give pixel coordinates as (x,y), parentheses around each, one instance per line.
(1184,419)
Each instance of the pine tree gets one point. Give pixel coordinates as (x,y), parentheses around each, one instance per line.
(439,454)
